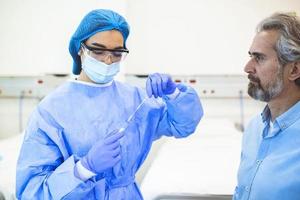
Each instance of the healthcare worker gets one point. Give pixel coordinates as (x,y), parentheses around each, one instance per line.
(87,139)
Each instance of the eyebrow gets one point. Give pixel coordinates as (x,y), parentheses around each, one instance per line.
(256,53)
(104,47)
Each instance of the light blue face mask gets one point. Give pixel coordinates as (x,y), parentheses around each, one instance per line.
(98,71)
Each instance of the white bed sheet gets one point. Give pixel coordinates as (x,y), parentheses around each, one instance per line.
(204,163)
(9,151)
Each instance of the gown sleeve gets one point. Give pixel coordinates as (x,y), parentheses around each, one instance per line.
(45,170)
(181,114)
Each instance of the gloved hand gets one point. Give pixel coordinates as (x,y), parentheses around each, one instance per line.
(159,85)
(104,154)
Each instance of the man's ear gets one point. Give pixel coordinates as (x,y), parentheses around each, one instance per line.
(294,71)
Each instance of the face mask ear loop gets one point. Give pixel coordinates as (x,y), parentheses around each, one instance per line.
(84,51)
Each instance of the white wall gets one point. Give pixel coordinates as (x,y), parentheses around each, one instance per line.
(196,36)
(14,117)
(35,34)
(174,36)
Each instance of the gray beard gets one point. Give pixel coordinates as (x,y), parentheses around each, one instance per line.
(273,89)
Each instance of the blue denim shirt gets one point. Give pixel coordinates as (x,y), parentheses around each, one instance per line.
(270,159)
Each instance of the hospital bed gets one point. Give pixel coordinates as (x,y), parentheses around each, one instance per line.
(200,167)
(9,151)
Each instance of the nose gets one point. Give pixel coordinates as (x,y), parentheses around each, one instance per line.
(249,67)
(108,59)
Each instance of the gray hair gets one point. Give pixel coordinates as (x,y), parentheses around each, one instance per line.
(288,44)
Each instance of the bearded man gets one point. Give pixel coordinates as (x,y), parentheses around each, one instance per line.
(270,158)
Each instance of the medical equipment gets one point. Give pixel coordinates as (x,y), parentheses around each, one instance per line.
(103,155)
(159,85)
(99,71)
(129,120)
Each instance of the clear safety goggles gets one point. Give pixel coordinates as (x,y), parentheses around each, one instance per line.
(116,55)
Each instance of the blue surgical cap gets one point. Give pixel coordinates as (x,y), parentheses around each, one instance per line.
(94,22)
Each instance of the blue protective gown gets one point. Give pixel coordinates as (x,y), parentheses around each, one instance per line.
(69,121)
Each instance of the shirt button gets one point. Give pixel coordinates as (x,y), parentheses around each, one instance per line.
(247,189)
(258,162)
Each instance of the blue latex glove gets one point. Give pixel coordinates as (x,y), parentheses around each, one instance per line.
(104,154)
(159,85)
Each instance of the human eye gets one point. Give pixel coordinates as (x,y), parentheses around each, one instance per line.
(117,54)
(98,52)
(259,58)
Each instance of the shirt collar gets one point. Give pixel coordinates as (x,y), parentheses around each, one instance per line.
(266,114)
(289,117)
(284,120)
